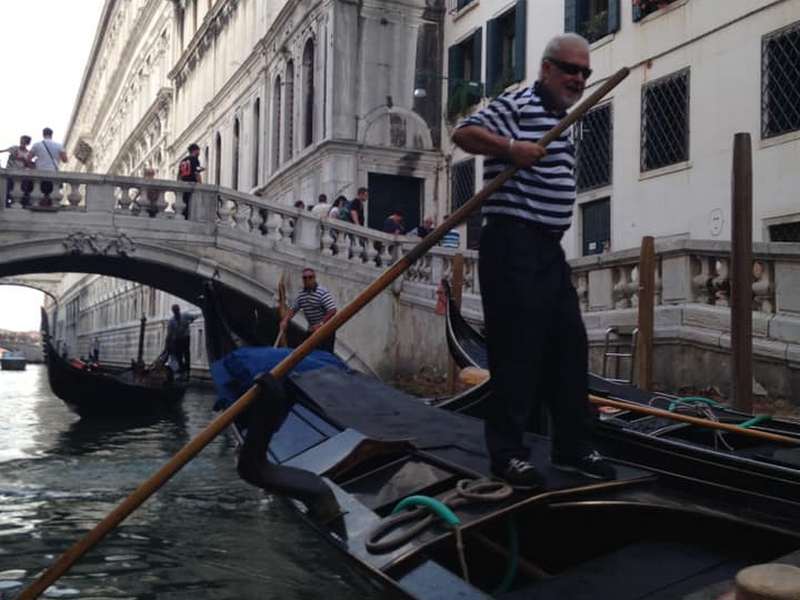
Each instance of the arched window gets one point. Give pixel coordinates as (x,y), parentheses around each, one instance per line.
(235,173)
(308,94)
(256,138)
(217,159)
(276,124)
(289,110)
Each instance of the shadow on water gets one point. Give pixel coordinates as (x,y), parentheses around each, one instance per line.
(88,435)
(205,535)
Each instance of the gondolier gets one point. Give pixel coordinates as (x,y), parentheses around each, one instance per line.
(537,343)
(317,305)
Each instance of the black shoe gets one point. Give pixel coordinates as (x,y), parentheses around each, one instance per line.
(592,465)
(519,474)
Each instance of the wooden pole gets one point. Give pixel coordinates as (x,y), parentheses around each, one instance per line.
(657,412)
(223,420)
(742,274)
(456,289)
(647,291)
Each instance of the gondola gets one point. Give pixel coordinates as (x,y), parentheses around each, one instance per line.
(656,442)
(91,390)
(347,451)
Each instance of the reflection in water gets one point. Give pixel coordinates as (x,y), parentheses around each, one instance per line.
(204,535)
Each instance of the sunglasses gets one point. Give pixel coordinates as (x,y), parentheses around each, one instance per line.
(308,276)
(570,68)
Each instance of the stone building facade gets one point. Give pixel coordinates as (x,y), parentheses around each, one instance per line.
(286,99)
(655,158)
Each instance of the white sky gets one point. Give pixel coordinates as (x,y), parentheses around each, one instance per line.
(46,44)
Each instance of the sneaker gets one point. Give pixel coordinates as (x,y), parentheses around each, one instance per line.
(592,465)
(519,474)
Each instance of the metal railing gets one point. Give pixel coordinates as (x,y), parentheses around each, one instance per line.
(780,81)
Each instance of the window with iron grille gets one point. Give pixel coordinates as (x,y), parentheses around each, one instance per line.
(462,188)
(464,74)
(593,19)
(594,150)
(665,121)
(505,49)
(780,82)
(785,232)
(596,226)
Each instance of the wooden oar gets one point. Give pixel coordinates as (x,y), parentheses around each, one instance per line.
(221,422)
(657,412)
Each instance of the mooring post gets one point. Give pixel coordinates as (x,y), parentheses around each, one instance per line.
(742,273)
(456,287)
(647,292)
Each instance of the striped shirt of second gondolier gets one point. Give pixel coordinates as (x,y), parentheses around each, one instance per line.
(314,304)
(545,192)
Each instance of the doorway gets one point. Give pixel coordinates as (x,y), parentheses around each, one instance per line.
(394,192)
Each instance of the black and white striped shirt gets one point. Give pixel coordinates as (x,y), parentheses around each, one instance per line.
(544,193)
(314,304)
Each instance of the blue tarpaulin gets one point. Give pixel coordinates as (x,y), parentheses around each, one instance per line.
(234,374)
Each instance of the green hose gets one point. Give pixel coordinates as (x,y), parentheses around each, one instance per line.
(513,563)
(438,508)
(754,421)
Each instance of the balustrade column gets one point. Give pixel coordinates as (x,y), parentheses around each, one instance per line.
(307,232)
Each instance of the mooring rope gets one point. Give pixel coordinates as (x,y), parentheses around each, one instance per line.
(468,491)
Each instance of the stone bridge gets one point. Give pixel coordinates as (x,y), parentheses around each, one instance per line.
(135,229)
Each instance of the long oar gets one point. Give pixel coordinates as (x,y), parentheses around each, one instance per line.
(657,412)
(215,427)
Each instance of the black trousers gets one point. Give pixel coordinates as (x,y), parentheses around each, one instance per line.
(538,351)
(183,354)
(328,343)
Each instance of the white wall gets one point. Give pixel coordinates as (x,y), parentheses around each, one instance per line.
(721,44)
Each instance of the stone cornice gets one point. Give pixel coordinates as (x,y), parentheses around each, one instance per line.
(213,23)
(88,70)
(144,16)
(162,101)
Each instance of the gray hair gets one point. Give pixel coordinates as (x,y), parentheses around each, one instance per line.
(554,46)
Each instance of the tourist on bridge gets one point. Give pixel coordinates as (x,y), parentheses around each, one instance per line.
(425,228)
(339,210)
(394,223)
(317,305)
(321,208)
(451,239)
(19,157)
(357,207)
(46,155)
(178,341)
(538,351)
(189,170)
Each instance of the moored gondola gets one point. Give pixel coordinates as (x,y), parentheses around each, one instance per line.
(727,458)
(352,452)
(90,390)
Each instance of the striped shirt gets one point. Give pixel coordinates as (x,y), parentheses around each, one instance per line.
(451,239)
(544,193)
(314,304)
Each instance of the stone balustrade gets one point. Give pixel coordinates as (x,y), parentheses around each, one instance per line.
(250,241)
(690,271)
(687,271)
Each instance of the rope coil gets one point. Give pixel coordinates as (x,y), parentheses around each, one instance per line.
(467,491)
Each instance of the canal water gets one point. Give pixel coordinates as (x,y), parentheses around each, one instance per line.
(204,535)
